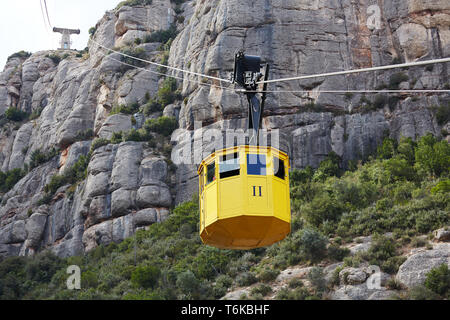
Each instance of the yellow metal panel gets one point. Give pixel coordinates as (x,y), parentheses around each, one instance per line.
(231,197)
(257,194)
(280,199)
(211,203)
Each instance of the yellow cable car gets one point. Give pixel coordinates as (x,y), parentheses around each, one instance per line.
(244,197)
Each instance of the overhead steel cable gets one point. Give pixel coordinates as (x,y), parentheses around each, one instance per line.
(417,63)
(46,24)
(270,91)
(337,73)
(163,74)
(349,91)
(161,65)
(48,17)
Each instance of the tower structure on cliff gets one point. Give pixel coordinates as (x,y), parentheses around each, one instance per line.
(65,39)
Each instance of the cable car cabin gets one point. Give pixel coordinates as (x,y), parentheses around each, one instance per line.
(244,197)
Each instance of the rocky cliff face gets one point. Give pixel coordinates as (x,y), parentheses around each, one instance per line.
(129,185)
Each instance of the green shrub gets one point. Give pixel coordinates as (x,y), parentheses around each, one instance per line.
(380,101)
(43,267)
(443,114)
(77,172)
(422,293)
(132,53)
(9,179)
(38,157)
(55,58)
(164,61)
(396,79)
(336,253)
(145,277)
(317,279)
(330,167)
(406,150)
(132,3)
(438,280)
(16,115)
(125,109)
(442,187)
(151,106)
(312,244)
(117,137)
(387,149)
(262,289)
(162,125)
(383,253)
(162,36)
(166,93)
(21,54)
(98,143)
(323,207)
(89,279)
(399,169)
(267,275)
(188,283)
(224,281)
(246,279)
(433,156)
(135,135)
(297,294)
(295,283)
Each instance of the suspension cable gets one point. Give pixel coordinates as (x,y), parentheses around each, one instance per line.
(349,91)
(48,17)
(166,75)
(329,74)
(161,65)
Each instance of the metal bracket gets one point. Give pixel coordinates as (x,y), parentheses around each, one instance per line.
(247,74)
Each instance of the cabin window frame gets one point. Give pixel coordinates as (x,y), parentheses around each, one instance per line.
(235,168)
(259,168)
(281,164)
(211,168)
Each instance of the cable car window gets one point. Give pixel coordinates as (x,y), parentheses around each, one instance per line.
(278,168)
(211,173)
(229,166)
(256,164)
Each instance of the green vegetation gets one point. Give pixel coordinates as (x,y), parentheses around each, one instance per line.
(21,54)
(125,109)
(443,113)
(132,3)
(15,114)
(38,157)
(92,31)
(438,281)
(391,193)
(170,262)
(396,79)
(57,58)
(162,125)
(9,179)
(132,52)
(167,94)
(70,176)
(162,36)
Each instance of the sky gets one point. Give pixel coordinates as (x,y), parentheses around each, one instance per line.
(22,24)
